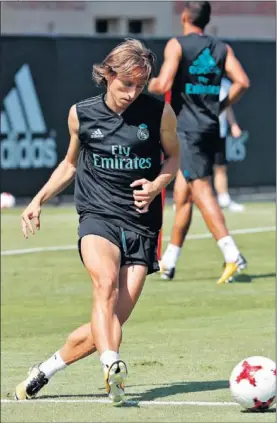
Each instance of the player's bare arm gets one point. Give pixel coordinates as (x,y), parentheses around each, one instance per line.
(171,148)
(239,78)
(170,145)
(59,180)
(235,128)
(165,79)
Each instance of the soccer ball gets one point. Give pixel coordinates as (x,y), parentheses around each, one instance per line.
(7,200)
(253,383)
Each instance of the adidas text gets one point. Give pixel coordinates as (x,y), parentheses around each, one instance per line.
(28,153)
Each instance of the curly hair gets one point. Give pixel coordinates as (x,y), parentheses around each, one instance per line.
(129,58)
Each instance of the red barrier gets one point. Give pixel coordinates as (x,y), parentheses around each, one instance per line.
(160,239)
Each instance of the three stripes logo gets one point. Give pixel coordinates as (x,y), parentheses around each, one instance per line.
(204,64)
(97,134)
(25,140)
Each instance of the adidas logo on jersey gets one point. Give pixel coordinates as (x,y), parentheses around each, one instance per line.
(97,134)
(25,141)
(204,64)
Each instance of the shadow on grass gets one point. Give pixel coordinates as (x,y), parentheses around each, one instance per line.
(269,410)
(162,391)
(158,391)
(244,278)
(62,396)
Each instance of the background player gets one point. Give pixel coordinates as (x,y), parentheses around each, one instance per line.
(114,154)
(226,119)
(193,67)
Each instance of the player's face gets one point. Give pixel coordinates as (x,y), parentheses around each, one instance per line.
(124,90)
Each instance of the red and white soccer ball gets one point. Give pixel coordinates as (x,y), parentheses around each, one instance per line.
(7,200)
(253,383)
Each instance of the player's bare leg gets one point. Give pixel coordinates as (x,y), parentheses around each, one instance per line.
(183,215)
(80,342)
(181,224)
(200,192)
(205,200)
(102,261)
(222,190)
(220,179)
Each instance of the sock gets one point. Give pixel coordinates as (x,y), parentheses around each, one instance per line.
(228,248)
(170,256)
(52,365)
(108,357)
(224,199)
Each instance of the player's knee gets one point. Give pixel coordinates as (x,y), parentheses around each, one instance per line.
(181,202)
(105,288)
(201,190)
(181,198)
(202,200)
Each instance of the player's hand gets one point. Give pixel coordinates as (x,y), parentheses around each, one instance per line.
(154,86)
(32,212)
(236,131)
(144,196)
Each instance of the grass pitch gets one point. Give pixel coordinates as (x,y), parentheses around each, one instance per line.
(181,342)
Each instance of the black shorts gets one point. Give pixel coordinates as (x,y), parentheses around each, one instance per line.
(134,248)
(197,154)
(220,155)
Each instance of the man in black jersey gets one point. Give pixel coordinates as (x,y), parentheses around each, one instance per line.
(115,157)
(193,67)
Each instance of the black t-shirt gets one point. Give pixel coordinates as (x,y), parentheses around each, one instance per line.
(195,92)
(115,151)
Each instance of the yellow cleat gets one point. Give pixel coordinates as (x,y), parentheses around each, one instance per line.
(231,270)
(115,377)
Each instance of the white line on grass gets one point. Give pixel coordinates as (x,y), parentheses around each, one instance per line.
(106,401)
(38,250)
(165,238)
(234,232)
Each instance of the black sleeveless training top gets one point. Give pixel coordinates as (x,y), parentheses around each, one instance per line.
(195,92)
(115,151)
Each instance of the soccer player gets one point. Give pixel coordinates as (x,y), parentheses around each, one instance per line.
(114,155)
(193,67)
(226,119)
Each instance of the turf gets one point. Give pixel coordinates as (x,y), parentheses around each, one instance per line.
(181,342)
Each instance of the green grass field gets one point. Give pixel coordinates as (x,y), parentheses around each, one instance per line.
(180,344)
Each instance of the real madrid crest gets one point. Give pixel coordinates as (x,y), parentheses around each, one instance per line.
(143,133)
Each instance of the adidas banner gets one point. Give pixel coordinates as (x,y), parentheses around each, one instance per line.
(29,110)
(41,77)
